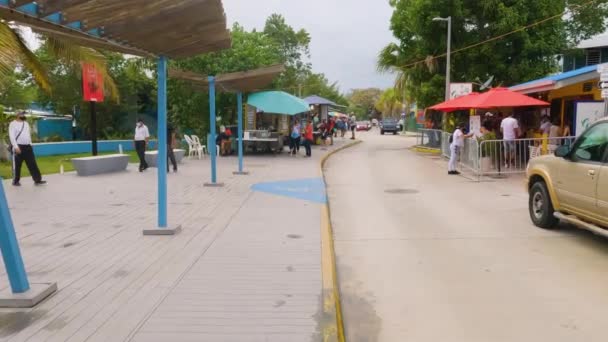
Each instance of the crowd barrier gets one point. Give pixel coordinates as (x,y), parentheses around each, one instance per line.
(493,157)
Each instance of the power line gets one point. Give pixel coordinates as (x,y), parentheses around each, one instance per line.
(523,28)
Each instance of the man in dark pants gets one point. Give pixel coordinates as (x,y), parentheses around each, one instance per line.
(170,146)
(142,135)
(21,140)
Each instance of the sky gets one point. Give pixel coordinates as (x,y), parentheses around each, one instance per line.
(347,35)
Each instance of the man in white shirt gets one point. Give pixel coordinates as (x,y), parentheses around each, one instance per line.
(142,135)
(21,140)
(455,148)
(510,131)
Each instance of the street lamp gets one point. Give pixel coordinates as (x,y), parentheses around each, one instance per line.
(448,65)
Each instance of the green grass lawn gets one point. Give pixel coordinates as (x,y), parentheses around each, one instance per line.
(51,164)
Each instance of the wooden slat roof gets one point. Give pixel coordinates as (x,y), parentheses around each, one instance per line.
(244,81)
(173,28)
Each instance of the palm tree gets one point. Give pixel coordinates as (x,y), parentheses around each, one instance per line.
(14,52)
(388,102)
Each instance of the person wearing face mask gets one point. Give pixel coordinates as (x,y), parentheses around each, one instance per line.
(142,135)
(21,143)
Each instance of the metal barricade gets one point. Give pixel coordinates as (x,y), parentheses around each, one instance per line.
(429,138)
(509,157)
(445,144)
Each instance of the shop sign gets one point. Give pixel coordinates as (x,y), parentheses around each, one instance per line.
(587,113)
(460,89)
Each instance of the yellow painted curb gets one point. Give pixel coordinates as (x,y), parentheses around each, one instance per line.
(426,150)
(332,324)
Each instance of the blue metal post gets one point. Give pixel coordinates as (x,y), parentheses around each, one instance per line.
(212,148)
(162,142)
(10,248)
(239,101)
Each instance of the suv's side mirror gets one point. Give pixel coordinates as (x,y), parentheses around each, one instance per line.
(562,151)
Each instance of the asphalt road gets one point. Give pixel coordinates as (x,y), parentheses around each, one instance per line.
(423,256)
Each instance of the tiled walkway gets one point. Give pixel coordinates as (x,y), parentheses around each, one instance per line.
(246,266)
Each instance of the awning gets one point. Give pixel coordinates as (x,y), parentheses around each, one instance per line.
(494,98)
(318,100)
(170,28)
(588,73)
(278,102)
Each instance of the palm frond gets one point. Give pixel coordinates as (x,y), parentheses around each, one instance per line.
(13,51)
(73,54)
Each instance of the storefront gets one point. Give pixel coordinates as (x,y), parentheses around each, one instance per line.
(574,96)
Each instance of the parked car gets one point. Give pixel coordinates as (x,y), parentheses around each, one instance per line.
(572,185)
(389,126)
(364,126)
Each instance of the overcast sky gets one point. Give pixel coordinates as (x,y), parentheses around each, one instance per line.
(346,34)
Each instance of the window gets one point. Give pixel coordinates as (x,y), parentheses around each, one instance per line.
(592,146)
(593,56)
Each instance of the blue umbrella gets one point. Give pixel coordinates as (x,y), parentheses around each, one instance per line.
(278,102)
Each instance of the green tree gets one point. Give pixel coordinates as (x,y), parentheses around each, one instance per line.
(363,101)
(189,106)
(518,57)
(389,103)
(294,49)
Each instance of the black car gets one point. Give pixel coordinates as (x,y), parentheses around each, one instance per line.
(389,126)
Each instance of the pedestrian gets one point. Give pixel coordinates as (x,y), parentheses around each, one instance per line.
(142,136)
(353,125)
(330,130)
(545,125)
(295,138)
(171,144)
(21,147)
(456,147)
(308,138)
(340,126)
(323,128)
(510,131)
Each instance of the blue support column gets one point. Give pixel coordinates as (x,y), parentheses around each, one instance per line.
(239,101)
(10,249)
(162,142)
(212,123)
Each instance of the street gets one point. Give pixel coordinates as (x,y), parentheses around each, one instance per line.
(423,256)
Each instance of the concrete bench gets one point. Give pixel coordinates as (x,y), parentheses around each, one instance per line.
(89,166)
(152,156)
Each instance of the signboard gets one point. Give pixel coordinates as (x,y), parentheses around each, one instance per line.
(460,89)
(475,125)
(586,114)
(92,83)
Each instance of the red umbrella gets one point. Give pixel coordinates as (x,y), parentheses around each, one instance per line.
(459,103)
(495,98)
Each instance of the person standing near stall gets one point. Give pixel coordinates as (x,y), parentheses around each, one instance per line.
(22,151)
(295,138)
(456,146)
(171,143)
(142,136)
(308,138)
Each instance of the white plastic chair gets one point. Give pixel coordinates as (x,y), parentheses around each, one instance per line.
(193,147)
(197,140)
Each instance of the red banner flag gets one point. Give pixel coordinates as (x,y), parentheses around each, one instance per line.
(92,83)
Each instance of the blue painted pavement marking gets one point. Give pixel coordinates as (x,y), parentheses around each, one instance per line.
(312,189)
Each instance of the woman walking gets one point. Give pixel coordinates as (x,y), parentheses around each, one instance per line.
(295,138)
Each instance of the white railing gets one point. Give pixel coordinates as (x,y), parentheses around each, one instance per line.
(430,138)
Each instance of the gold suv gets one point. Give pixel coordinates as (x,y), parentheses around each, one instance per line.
(572,185)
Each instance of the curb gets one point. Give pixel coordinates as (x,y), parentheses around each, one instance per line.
(426,150)
(332,326)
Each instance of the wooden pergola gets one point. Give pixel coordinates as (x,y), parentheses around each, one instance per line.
(237,82)
(158,29)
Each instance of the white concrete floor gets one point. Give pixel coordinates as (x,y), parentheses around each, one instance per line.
(423,256)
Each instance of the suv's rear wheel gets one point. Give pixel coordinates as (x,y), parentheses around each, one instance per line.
(540,206)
